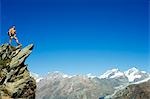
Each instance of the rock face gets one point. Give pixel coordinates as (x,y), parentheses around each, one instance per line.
(134,91)
(15,80)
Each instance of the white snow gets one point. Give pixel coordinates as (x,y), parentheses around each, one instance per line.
(57,74)
(114,73)
(132,77)
(90,75)
(66,76)
(117,74)
(143,72)
(131,71)
(36,76)
(132,74)
(145,80)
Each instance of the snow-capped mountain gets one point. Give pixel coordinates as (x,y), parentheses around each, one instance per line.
(132,74)
(135,75)
(56,75)
(114,73)
(62,86)
(36,76)
(90,75)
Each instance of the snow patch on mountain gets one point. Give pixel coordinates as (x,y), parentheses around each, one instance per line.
(57,74)
(36,76)
(90,75)
(134,74)
(114,73)
(145,80)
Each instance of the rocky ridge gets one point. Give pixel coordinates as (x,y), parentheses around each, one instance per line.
(15,79)
(138,90)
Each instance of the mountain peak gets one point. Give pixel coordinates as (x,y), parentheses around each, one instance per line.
(112,73)
(89,75)
(57,74)
(133,69)
(134,74)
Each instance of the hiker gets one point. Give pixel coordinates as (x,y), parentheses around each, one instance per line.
(12,35)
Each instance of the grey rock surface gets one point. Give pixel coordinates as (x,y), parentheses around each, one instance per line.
(15,79)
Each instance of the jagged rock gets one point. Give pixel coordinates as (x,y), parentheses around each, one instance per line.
(15,79)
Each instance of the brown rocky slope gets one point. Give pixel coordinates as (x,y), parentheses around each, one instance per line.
(134,91)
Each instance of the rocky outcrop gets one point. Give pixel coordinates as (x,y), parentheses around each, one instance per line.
(134,91)
(15,80)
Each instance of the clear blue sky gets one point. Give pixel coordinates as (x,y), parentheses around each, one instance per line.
(80,36)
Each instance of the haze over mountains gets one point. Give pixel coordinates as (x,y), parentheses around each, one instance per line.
(57,85)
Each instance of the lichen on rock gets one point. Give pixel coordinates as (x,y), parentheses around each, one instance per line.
(15,79)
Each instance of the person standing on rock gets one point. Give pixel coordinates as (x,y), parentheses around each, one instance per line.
(12,35)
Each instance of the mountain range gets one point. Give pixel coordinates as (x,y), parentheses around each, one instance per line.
(132,75)
(57,85)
